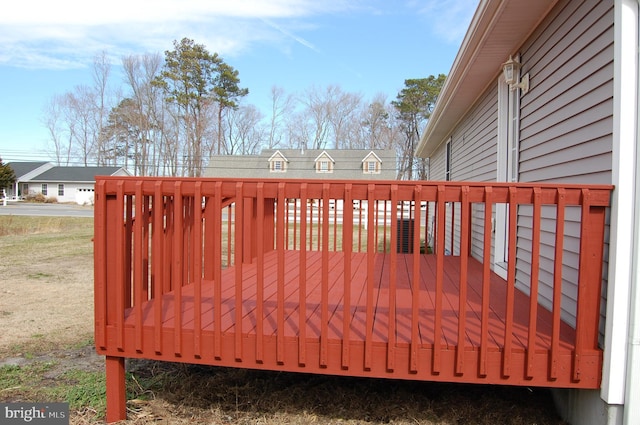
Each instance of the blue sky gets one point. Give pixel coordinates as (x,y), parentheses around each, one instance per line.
(364,46)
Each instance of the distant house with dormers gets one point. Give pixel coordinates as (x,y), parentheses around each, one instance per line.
(338,164)
(66,184)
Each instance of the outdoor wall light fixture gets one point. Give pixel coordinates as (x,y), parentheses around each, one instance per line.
(510,70)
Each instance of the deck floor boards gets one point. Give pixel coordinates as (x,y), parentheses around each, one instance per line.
(357,308)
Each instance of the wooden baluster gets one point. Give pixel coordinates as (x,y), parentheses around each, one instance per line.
(368,342)
(557,282)
(437,337)
(511,282)
(238,262)
(157,264)
(138,241)
(260,233)
(535,273)
(217,269)
(464,264)
(281,272)
(196,252)
(414,234)
(324,299)
(486,279)
(347,249)
(393,280)
(178,260)
(302,279)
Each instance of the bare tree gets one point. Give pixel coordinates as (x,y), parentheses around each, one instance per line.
(245,133)
(101,72)
(342,108)
(317,113)
(281,107)
(140,71)
(59,135)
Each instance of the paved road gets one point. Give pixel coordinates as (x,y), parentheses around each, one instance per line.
(46,210)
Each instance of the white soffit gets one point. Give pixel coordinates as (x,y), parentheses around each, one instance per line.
(497,30)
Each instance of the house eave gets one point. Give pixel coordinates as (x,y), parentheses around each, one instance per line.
(497,30)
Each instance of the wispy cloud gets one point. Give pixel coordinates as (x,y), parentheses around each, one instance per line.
(448,19)
(68,33)
(290,35)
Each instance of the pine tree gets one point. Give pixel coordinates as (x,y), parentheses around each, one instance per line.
(7,176)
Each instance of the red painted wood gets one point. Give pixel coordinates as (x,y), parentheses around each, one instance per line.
(347,248)
(557,283)
(486,275)
(178,264)
(157,237)
(437,337)
(307,291)
(116,392)
(535,272)
(511,278)
(101,266)
(464,248)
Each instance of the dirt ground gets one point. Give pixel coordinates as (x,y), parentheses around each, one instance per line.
(46,314)
(46,304)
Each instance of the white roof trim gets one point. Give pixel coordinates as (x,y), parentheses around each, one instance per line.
(498,29)
(277,153)
(374,154)
(324,153)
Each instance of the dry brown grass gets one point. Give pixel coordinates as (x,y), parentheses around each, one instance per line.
(46,317)
(182,394)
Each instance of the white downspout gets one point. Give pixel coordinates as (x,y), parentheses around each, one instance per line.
(631,22)
(616,386)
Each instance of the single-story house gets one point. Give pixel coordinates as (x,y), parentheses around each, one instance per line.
(66,184)
(337,164)
(547,91)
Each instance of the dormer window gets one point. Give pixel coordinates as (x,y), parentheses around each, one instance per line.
(371,164)
(324,163)
(278,163)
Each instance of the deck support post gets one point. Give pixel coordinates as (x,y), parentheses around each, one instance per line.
(116,389)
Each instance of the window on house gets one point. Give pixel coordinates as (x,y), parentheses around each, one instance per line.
(371,167)
(44,189)
(25,189)
(447,171)
(60,190)
(323,166)
(277,166)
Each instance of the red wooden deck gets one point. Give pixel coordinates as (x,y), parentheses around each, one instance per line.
(263,285)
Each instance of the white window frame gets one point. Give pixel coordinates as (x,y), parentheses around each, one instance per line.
(508,146)
(447,165)
(324,166)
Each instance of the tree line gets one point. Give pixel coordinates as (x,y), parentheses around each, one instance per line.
(172,113)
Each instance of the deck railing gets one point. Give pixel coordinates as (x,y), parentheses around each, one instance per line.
(153,236)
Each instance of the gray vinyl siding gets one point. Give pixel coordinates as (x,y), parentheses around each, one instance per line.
(565,135)
(436,164)
(473,144)
(475,141)
(473,149)
(565,128)
(566,119)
